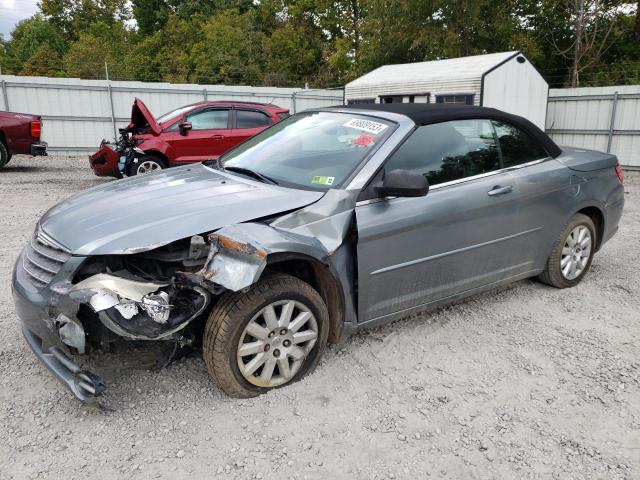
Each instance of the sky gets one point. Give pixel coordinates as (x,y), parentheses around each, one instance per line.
(12,11)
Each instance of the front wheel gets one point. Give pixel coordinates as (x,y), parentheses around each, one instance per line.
(145,164)
(269,336)
(572,253)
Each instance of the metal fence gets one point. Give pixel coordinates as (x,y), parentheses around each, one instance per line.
(602,118)
(77,113)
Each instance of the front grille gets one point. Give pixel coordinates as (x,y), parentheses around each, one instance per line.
(42,261)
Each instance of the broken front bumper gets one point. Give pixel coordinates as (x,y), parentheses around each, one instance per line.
(104,162)
(34,308)
(61,319)
(86,386)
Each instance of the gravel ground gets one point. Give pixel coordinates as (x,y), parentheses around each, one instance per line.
(528,382)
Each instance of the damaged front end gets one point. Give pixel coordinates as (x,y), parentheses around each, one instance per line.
(144,296)
(93,302)
(164,292)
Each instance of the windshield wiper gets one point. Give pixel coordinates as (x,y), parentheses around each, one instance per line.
(251,173)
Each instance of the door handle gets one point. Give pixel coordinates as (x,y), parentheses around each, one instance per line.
(498,190)
(217,137)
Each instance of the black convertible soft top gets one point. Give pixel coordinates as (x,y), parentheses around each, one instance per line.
(426,113)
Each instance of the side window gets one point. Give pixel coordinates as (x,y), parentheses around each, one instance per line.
(517,146)
(252,119)
(448,151)
(209,119)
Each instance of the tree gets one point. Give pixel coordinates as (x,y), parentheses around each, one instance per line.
(86,57)
(28,36)
(590,23)
(637,24)
(293,54)
(172,50)
(3,54)
(151,15)
(73,17)
(45,62)
(229,50)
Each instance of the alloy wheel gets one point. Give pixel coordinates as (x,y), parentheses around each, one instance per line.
(148,166)
(276,342)
(576,252)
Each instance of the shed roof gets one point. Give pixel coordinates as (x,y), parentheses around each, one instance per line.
(452,68)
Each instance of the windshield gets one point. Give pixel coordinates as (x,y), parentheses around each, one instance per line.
(174,113)
(311,150)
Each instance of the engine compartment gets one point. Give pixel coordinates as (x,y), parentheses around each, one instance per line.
(144,296)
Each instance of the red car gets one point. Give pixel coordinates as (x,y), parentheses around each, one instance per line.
(193,133)
(20,134)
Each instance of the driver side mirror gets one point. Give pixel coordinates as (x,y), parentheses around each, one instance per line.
(402,183)
(185,127)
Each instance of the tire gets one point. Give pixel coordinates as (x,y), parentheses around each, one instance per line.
(5,156)
(555,272)
(146,164)
(226,331)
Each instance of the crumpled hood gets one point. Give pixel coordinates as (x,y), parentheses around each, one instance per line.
(147,211)
(141,116)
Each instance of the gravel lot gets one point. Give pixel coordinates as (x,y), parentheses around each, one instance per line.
(528,382)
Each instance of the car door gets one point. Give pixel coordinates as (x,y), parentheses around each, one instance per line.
(209,137)
(461,236)
(543,189)
(249,122)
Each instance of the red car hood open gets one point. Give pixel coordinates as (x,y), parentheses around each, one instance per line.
(141,116)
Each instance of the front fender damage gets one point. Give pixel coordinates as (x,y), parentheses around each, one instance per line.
(237,257)
(240,253)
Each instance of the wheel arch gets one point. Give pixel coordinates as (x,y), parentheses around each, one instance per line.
(597,217)
(159,155)
(321,277)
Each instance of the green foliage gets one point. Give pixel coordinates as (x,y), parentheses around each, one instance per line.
(27,38)
(228,50)
(45,62)
(151,15)
(72,17)
(292,54)
(320,42)
(86,57)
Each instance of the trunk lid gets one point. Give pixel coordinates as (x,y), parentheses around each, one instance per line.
(141,117)
(584,160)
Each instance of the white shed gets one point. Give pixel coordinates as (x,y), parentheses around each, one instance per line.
(506,81)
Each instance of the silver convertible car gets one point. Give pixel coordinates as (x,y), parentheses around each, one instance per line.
(331,221)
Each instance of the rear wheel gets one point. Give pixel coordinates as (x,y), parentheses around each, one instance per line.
(270,336)
(145,164)
(572,253)
(5,156)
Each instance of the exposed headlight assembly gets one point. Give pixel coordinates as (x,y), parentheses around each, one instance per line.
(138,309)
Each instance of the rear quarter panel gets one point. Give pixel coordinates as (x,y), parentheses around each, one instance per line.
(594,178)
(602,189)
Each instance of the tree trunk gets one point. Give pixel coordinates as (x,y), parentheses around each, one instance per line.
(579,27)
(637,29)
(355,11)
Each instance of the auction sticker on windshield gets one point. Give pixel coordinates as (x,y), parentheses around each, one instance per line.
(321,180)
(366,125)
